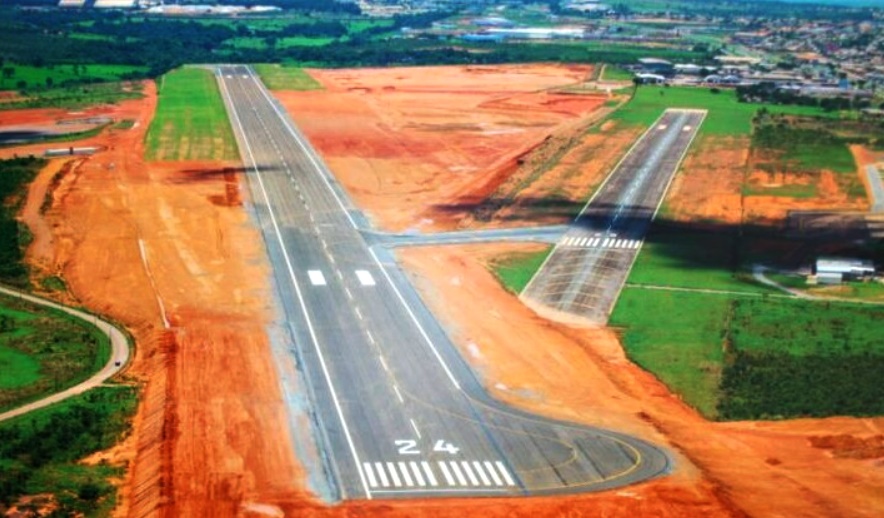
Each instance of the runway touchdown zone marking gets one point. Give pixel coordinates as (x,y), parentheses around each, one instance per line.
(365,278)
(316,277)
(422,476)
(597,242)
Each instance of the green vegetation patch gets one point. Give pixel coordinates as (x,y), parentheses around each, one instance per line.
(693,258)
(281,77)
(43,350)
(73,97)
(784,191)
(796,358)
(726,117)
(39,452)
(191,121)
(515,270)
(613,73)
(15,175)
(804,149)
(26,77)
(678,337)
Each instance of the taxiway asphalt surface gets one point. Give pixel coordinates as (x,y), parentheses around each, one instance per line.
(397,410)
(583,275)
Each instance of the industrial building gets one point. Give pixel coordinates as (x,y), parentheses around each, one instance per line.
(835,270)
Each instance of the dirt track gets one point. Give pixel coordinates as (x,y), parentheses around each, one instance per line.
(211,438)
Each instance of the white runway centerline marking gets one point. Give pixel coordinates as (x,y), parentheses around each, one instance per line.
(365,278)
(316,277)
(398,394)
(414,425)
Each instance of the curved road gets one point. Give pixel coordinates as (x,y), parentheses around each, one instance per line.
(119,353)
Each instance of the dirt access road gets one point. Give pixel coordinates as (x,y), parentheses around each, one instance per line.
(212,437)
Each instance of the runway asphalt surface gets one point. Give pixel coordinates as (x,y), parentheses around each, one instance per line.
(547,234)
(397,410)
(583,275)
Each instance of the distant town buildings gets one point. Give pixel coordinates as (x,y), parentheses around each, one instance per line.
(834,270)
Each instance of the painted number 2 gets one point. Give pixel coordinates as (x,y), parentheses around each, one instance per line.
(407,447)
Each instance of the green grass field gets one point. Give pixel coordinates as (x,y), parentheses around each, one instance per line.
(40,451)
(191,122)
(677,336)
(785,191)
(36,77)
(727,116)
(43,351)
(696,259)
(75,97)
(614,73)
(282,77)
(515,270)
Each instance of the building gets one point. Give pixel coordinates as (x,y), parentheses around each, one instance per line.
(835,270)
(656,66)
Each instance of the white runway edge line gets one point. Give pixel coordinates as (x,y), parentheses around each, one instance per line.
(353,223)
(291,273)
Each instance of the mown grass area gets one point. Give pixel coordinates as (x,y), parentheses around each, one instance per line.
(678,337)
(15,175)
(614,73)
(191,121)
(515,270)
(693,258)
(254,43)
(40,451)
(23,77)
(282,77)
(43,351)
(74,97)
(726,117)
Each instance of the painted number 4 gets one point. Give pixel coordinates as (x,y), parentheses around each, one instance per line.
(446,447)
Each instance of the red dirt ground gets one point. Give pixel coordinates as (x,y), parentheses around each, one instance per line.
(410,144)
(211,437)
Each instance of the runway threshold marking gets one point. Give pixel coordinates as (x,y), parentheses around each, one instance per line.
(455,474)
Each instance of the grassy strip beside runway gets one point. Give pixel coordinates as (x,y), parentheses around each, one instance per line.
(515,270)
(283,77)
(191,122)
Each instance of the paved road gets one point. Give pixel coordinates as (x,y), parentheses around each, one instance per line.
(548,234)
(398,411)
(876,189)
(119,353)
(584,274)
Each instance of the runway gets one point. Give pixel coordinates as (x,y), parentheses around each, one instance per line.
(396,409)
(583,275)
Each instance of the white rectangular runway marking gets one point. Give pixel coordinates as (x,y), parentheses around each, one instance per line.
(481,472)
(405,474)
(469,471)
(605,242)
(568,241)
(661,127)
(616,243)
(583,241)
(316,277)
(381,474)
(686,128)
(458,474)
(493,472)
(635,243)
(365,278)
(431,478)
(596,241)
(505,473)
(394,475)
(370,474)
(417,473)
(446,473)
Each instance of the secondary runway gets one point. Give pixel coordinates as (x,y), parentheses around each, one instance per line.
(583,275)
(398,412)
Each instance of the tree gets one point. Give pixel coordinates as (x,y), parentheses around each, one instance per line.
(8,72)
(49,82)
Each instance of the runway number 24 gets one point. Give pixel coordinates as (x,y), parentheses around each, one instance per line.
(409,447)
